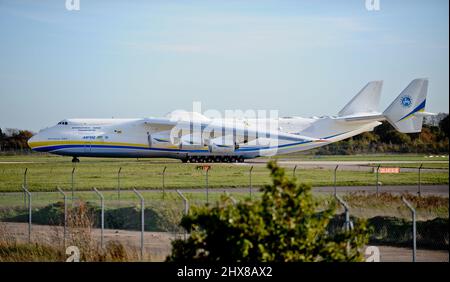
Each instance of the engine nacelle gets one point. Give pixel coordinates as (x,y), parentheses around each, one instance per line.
(221,149)
(189,142)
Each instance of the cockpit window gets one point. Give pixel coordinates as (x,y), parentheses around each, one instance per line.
(63,122)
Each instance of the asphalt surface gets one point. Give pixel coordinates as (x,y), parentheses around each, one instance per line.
(436,190)
(346,165)
(426,190)
(343,165)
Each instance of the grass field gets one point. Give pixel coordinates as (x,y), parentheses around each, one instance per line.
(44,173)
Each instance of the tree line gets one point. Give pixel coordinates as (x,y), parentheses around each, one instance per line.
(12,139)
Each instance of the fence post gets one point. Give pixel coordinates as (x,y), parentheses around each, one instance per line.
(250,180)
(413,214)
(186,208)
(378,183)
(164,182)
(25,184)
(73,171)
(348,224)
(335,172)
(65,213)
(118,184)
(102,215)
(293,172)
(419,183)
(29,212)
(207,186)
(142,221)
(25,177)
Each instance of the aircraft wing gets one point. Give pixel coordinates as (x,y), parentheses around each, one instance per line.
(159,124)
(165,125)
(374,117)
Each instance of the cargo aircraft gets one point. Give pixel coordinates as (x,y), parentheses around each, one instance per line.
(193,137)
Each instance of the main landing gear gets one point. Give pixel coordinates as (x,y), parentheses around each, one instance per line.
(75,160)
(213,159)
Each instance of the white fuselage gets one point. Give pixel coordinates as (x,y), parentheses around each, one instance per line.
(147,138)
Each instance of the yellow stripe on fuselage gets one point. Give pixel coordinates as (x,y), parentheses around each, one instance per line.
(81,142)
(85,142)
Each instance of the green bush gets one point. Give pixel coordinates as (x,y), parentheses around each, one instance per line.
(283,226)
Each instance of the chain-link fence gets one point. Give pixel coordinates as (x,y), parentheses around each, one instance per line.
(79,220)
(404,227)
(386,214)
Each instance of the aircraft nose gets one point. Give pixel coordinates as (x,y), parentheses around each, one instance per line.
(32,141)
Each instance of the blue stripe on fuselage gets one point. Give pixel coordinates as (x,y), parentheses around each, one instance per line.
(59,147)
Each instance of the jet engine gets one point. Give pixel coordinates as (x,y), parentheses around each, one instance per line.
(191,142)
(222,145)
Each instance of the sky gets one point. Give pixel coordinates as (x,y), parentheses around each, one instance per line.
(132,59)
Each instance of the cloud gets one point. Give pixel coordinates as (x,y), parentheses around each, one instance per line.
(250,34)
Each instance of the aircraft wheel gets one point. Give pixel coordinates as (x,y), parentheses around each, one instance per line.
(241,159)
(75,160)
(232,159)
(225,159)
(217,159)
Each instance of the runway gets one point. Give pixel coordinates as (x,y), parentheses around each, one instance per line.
(302,164)
(346,165)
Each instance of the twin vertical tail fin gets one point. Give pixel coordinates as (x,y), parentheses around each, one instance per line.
(405,114)
(407,111)
(365,102)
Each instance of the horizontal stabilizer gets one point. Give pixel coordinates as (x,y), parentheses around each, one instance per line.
(361,117)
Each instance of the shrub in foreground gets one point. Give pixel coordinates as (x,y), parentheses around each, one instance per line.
(283,226)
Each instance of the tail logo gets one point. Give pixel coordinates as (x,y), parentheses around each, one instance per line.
(406,101)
